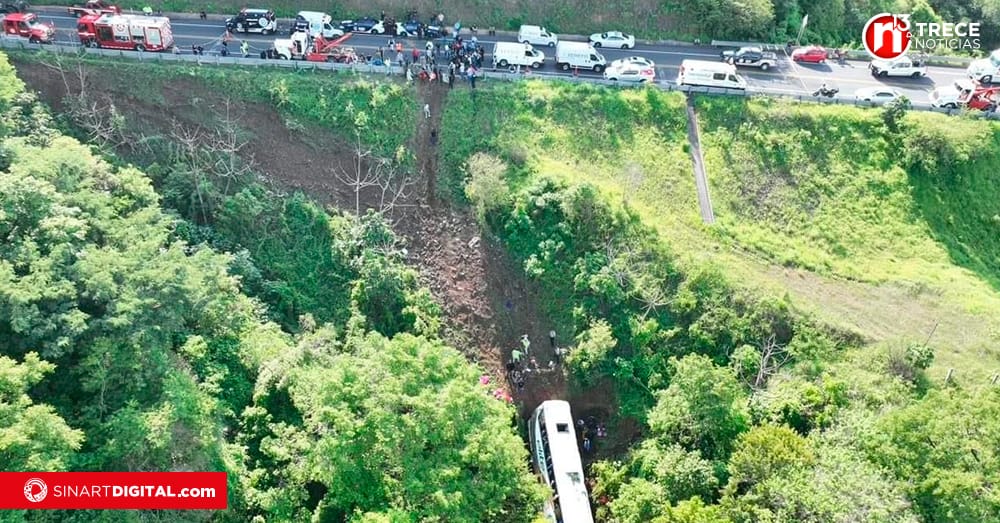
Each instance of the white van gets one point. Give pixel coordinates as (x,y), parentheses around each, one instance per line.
(512,54)
(579,55)
(536,35)
(315,23)
(710,74)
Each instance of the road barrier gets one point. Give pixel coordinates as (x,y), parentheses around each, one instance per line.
(359,68)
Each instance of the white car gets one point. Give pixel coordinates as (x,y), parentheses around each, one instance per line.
(627,73)
(613,39)
(379,28)
(876,95)
(633,60)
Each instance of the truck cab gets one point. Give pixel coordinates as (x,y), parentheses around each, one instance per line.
(903,66)
(986,70)
(27,26)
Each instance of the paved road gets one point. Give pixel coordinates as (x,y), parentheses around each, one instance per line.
(787,77)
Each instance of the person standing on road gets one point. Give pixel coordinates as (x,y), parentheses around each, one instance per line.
(245,48)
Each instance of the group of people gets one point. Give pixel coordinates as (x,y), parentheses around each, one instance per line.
(589,430)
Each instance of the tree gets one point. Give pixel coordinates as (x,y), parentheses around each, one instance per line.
(703,409)
(680,473)
(765,452)
(486,188)
(840,486)
(592,349)
(950,440)
(399,424)
(32,437)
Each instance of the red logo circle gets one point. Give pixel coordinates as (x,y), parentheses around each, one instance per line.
(887,36)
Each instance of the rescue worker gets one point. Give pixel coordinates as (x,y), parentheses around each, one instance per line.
(245,48)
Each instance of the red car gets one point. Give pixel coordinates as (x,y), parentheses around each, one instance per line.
(812,54)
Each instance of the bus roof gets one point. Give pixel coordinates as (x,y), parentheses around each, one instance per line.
(566,464)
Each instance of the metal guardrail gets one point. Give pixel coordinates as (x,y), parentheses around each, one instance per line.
(854,54)
(388,70)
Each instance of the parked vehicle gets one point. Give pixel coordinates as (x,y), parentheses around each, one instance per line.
(319,49)
(413,27)
(435,29)
(640,61)
(902,66)
(360,25)
(710,74)
(986,70)
(628,73)
(751,57)
(515,54)
(389,27)
(613,39)
(94,8)
(248,20)
(315,23)
(812,54)
(579,55)
(536,35)
(25,26)
(876,95)
(128,32)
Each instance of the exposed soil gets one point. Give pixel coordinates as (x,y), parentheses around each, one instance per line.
(488,302)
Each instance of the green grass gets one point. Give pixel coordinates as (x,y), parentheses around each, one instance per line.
(819,203)
(335,101)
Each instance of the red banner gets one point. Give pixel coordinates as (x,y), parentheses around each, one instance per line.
(113,490)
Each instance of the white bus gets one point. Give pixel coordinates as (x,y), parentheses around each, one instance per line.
(556,459)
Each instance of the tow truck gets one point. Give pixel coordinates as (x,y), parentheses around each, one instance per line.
(25,26)
(967,94)
(303,47)
(751,57)
(902,66)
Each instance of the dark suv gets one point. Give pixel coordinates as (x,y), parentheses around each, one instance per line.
(260,21)
(360,25)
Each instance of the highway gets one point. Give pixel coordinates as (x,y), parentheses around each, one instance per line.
(788,77)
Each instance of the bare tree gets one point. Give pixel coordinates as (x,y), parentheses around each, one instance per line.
(388,183)
(772,358)
(232,160)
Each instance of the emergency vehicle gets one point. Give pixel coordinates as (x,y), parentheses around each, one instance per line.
(141,33)
(27,27)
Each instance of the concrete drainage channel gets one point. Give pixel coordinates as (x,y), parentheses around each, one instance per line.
(700,178)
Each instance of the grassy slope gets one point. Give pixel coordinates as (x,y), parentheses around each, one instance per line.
(812,201)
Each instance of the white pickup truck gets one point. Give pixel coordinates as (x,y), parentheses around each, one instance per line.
(986,70)
(902,66)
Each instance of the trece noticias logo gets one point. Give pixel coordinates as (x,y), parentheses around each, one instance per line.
(889,36)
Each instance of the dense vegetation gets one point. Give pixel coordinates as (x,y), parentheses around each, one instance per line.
(756,410)
(126,347)
(831,22)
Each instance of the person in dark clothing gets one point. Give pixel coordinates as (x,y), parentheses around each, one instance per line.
(434,137)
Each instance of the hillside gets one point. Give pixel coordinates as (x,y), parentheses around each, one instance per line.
(786,364)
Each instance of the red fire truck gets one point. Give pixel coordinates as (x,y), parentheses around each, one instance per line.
(142,33)
(26,26)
